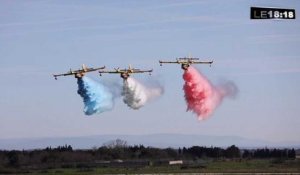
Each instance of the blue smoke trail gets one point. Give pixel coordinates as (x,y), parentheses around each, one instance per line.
(96,97)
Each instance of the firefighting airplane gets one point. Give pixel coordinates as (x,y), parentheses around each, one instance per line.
(125,73)
(78,73)
(186,62)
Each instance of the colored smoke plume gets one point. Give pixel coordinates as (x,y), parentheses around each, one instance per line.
(201,96)
(136,95)
(97,98)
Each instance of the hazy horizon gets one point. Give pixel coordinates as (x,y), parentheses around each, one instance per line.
(152,140)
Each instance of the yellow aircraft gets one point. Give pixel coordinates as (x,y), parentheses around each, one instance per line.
(78,73)
(186,62)
(125,73)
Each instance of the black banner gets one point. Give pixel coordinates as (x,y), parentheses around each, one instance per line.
(272,13)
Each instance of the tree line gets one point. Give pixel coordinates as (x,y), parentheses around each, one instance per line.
(119,150)
(270,153)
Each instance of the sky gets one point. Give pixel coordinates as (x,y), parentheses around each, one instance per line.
(42,37)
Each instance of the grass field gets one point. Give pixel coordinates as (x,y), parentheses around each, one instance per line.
(215,166)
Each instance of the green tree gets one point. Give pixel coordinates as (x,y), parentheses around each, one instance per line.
(13,158)
(232,152)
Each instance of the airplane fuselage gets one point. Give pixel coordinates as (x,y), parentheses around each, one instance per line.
(79,75)
(125,75)
(185,66)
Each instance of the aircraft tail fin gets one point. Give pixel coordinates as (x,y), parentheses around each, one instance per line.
(84,67)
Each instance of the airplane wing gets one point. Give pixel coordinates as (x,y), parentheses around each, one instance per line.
(168,62)
(187,58)
(142,71)
(95,69)
(202,62)
(111,72)
(66,74)
(70,73)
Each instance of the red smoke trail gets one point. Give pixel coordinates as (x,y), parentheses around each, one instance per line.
(201,96)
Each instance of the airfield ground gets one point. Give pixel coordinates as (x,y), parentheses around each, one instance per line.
(268,166)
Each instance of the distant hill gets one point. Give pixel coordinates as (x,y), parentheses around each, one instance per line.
(155,140)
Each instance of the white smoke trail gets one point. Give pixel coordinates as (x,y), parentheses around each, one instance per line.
(136,95)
